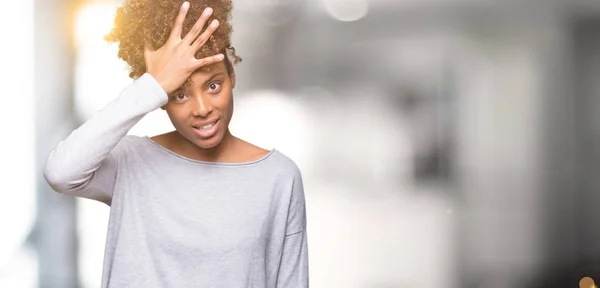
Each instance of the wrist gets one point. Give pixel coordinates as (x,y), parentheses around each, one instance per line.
(162,82)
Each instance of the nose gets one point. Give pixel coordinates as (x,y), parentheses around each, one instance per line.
(201,106)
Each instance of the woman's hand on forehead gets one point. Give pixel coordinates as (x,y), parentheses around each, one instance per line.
(173,63)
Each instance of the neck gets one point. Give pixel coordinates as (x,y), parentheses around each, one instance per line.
(219,153)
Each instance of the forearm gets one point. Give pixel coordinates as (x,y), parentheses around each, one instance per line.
(74,159)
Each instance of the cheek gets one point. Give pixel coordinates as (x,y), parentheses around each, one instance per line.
(231,108)
(228,103)
(176,116)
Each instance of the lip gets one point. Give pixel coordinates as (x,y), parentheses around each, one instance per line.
(200,124)
(208,133)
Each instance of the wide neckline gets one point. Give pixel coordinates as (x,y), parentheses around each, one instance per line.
(160,147)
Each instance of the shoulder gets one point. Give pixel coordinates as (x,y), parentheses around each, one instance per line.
(274,160)
(291,178)
(285,165)
(130,140)
(129,144)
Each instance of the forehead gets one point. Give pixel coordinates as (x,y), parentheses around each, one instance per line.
(204,73)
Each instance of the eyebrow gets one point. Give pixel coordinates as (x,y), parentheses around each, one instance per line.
(185,87)
(212,77)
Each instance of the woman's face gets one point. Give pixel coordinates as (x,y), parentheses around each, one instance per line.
(201,111)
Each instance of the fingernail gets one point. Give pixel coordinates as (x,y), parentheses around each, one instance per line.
(207,11)
(186,5)
(220,56)
(215,23)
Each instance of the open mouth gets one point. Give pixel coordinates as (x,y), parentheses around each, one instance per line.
(206,130)
(206,127)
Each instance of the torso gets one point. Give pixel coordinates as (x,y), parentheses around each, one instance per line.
(181,223)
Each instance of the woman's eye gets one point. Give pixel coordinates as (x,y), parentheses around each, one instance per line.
(179,96)
(214,86)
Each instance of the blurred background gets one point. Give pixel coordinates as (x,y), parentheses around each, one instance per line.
(443,143)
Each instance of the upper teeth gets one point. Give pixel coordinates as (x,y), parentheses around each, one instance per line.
(207,126)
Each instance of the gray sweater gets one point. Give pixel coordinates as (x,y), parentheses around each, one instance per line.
(179,222)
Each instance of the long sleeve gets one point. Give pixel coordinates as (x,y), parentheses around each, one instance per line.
(293,270)
(85,163)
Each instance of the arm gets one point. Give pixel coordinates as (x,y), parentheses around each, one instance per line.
(293,270)
(84,164)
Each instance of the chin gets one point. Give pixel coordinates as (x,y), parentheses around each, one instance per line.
(206,143)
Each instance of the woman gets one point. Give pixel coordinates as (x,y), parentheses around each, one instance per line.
(195,207)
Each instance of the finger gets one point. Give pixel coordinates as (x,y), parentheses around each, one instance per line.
(206,35)
(207,61)
(197,28)
(176,31)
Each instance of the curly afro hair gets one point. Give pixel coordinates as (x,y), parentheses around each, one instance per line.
(140,21)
